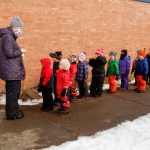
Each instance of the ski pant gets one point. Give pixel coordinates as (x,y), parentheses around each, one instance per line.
(112,83)
(141,83)
(83,88)
(96,87)
(47,98)
(124,81)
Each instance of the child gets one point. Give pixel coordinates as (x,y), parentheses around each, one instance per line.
(73,71)
(98,73)
(46,84)
(112,72)
(57,55)
(148,59)
(63,84)
(82,75)
(141,71)
(124,67)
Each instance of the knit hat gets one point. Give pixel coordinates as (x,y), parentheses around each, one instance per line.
(73,59)
(142,53)
(16,22)
(82,56)
(100,51)
(56,54)
(65,64)
(113,53)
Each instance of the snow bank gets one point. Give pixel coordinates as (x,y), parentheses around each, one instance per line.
(131,135)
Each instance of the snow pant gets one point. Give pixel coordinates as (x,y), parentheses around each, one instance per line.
(64,102)
(112,83)
(124,81)
(73,89)
(141,83)
(56,100)
(96,87)
(83,88)
(13,89)
(47,98)
(135,78)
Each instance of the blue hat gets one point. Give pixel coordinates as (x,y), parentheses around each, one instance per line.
(16,22)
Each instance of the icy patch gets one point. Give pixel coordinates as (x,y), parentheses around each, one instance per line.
(131,135)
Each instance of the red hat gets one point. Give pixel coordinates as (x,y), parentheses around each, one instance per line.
(100,51)
(142,53)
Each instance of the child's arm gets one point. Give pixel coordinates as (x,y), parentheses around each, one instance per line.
(85,68)
(128,65)
(47,77)
(91,62)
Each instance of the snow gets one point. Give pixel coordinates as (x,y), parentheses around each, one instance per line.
(35,101)
(130,135)
(28,102)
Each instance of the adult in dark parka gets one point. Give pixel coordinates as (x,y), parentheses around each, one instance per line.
(11,66)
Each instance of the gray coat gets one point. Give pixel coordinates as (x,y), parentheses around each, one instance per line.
(11,62)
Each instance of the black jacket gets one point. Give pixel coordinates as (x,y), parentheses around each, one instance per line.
(98,65)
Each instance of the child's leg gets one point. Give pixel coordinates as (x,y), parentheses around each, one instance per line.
(85,89)
(93,87)
(112,83)
(122,81)
(47,98)
(99,85)
(141,83)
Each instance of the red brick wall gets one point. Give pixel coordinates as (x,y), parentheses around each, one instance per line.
(76,25)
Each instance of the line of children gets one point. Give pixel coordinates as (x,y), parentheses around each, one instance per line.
(66,71)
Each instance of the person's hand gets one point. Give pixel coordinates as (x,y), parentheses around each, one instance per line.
(117,77)
(145,77)
(23,51)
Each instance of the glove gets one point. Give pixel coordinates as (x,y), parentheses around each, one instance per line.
(107,75)
(145,77)
(64,92)
(40,88)
(117,77)
(85,80)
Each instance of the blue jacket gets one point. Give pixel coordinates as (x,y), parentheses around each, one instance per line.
(141,67)
(124,65)
(82,71)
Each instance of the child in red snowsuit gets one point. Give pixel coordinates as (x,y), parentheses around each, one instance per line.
(73,71)
(46,84)
(62,86)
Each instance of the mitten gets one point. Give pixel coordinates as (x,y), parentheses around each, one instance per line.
(145,77)
(117,77)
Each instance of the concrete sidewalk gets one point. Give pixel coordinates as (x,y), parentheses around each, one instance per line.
(41,129)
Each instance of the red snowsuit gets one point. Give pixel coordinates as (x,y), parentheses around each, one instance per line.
(46,71)
(73,72)
(63,81)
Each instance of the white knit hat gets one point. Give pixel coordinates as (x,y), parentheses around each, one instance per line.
(82,56)
(65,64)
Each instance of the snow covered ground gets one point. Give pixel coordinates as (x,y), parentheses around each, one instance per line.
(131,135)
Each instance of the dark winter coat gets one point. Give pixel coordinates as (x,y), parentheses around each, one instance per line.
(98,65)
(142,67)
(11,62)
(124,65)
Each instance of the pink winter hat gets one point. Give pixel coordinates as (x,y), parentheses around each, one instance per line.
(100,51)
(82,56)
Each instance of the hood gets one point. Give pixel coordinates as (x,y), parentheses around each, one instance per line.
(46,62)
(7,31)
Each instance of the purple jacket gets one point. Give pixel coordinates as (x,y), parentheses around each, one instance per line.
(124,65)
(11,62)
